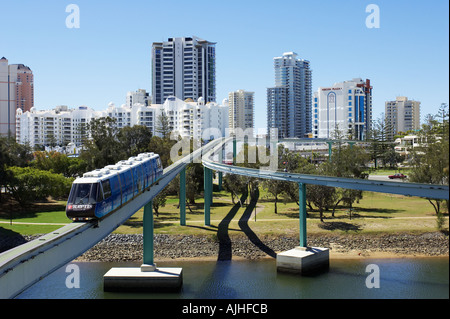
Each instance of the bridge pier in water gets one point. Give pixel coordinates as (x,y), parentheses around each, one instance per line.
(148,277)
(303,259)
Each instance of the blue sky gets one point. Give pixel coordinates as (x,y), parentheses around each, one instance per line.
(110,53)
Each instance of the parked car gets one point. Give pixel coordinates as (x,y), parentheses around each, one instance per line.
(397,175)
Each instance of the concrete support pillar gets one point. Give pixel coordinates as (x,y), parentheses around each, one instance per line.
(302,213)
(183,197)
(208,194)
(234,150)
(148,234)
(220,173)
(329,150)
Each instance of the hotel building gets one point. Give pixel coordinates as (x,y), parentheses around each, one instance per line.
(345,107)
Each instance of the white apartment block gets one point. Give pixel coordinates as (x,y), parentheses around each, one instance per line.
(241,110)
(403,115)
(344,108)
(195,119)
(62,126)
(59,126)
(139,97)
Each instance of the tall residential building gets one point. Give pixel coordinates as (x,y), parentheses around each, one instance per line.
(185,68)
(16,92)
(241,110)
(345,110)
(139,97)
(289,102)
(402,115)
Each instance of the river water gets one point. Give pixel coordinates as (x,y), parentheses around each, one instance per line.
(401,278)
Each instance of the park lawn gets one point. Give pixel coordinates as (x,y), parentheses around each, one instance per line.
(27,229)
(375,213)
(388,171)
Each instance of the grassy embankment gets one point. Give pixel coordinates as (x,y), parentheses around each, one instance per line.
(375,213)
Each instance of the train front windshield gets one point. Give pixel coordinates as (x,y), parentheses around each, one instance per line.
(83,194)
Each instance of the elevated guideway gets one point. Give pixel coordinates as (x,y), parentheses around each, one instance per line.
(24,265)
(391,187)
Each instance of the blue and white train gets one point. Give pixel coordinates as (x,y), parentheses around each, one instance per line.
(102,191)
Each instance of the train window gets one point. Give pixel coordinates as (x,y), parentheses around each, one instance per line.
(106,188)
(158,161)
(82,194)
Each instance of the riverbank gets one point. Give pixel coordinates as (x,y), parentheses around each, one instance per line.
(129,247)
(119,247)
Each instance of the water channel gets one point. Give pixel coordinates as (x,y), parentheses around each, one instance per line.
(399,278)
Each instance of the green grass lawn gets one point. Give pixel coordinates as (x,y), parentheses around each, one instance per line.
(375,213)
(388,171)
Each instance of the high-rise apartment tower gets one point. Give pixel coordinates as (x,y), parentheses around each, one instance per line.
(184,68)
(241,110)
(16,92)
(402,115)
(289,102)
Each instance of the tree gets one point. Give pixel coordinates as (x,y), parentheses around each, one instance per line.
(12,153)
(103,148)
(235,185)
(58,163)
(321,196)
(347,161)
(194,181)
(379,136)
(276,189)
(134,140)
(28,184)
(430,160)
(163,126)
(162,147)
(159,201)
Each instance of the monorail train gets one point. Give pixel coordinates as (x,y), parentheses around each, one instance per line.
(102,191)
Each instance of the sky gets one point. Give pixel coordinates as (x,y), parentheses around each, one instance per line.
(110,53)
